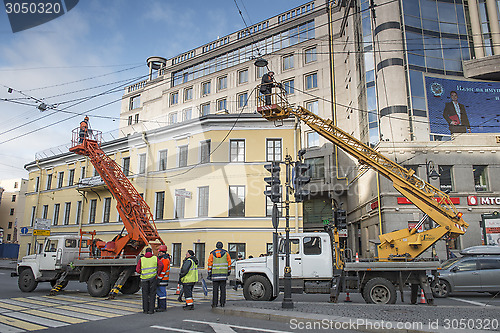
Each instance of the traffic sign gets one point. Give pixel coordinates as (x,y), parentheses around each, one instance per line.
(24,230)
(41,232)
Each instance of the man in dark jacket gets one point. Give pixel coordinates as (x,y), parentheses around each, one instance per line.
(455,115)
(188,277)
(219,268)
(267,85)
(149,267)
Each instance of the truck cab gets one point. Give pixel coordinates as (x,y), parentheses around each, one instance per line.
(48,265)
(310,261)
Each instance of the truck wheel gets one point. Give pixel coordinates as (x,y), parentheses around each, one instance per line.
(132,285)
(379,291)
(440,289)
(27,282)
(257,288)
(98,284)
(53,283)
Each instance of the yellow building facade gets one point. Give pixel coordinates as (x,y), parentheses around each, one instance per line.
(202,179)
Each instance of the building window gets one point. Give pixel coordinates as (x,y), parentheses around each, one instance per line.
(10,225)
(205,151)
(180,204)
(37,184)
(273,150)
(446,178)
(135,102)
(236,250)
(162,163)
(172,118)
(205,109)
(242,100)
(142,164)
(159,205)
(480,178)
(33,216)
(203,201)
(243,76)
(174,98)
(237,152)
(205,88)
(11,212)
(93,207)
(8,237)
(78,212)
(55,220)
(60,179)
(222,104)
(313,106)
(183,156)
(126,166)
(67,212)
(310,55)
(16,184)
(261,71)
(289,86)
(45,211)
(186,114)
(49,181)
(199,250)
(316,167)
(312,139)
(236,200)
(188,94)
(136,118)
(222,83)
(176,254)
(71,178)
(129,120)
(82,174)
(288,62)
(107,209)
(312,81)
(13,198)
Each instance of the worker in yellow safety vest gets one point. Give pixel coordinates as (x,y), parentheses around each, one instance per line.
(219,268)
(163,277)
(149,267)
(189,276)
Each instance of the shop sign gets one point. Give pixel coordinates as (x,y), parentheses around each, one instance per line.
(473,200)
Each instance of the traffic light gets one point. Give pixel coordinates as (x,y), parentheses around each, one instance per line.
(341,219)
(274,182)
(300,170)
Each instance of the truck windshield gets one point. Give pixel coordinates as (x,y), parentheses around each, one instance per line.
(51,245)
(294,246)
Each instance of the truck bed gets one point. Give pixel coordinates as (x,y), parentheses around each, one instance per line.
(391,266)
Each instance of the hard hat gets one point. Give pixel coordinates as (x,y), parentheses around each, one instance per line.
(219,245)
(162,248)
(86,118)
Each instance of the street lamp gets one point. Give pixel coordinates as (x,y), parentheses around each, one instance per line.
(431,173)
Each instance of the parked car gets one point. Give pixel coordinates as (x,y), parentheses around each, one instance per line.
(477,271)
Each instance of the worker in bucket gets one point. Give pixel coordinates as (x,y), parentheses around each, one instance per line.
(84,129)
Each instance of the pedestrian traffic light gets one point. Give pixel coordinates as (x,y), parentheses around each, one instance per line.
(341,219)
(274,182)
(300,170)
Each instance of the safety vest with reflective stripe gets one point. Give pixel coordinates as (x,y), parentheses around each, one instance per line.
(165,273)
(220,266)
(148,267)
(192,275)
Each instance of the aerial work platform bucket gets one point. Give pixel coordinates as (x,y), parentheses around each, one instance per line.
(278,109)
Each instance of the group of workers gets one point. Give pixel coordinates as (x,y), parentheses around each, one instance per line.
(155,273)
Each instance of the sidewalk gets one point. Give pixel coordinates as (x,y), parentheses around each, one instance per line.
(320,316)
(8,264)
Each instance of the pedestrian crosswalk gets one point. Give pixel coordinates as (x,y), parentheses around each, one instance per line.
(32,313)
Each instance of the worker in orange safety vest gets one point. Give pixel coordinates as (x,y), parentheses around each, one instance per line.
(163,276)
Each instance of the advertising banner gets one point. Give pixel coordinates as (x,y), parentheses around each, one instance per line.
(462,106)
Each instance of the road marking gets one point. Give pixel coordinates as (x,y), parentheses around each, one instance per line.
(36,319)
(9,329)
(120,307)
(23,304)
(21,324)
(97,307)
(32,301)
(66,319)
(12,307)
(235,326)
(174,329)
(73,299)
(92,312)
(470,302)
(72,313)
(52,301)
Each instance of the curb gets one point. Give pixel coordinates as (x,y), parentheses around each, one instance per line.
(299,320)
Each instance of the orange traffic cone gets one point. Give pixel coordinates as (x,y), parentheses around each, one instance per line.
(422,297)
(347,298)
(357,257)
(178,291)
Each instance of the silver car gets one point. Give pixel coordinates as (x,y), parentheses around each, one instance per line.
(476,271)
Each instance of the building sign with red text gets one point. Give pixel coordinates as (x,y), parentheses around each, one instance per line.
(473,200)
